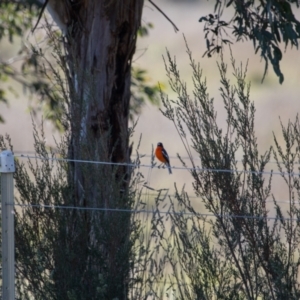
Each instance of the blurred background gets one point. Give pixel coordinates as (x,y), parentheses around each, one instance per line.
(272,100)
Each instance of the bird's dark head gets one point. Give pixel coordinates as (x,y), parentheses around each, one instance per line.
(159,145)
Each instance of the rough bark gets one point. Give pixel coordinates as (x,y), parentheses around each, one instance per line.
(100,44)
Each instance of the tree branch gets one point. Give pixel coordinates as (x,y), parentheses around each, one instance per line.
(175,27)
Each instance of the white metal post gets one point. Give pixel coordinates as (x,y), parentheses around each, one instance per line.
(7,168)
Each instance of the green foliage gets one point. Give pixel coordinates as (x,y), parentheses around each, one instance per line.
(40,70)
(144,29)
(141,91)
(65,246)
(267,23)
(4,100)
(235,244)
(14,21)
(68,253)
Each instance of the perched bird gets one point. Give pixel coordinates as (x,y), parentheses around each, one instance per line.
(163,156)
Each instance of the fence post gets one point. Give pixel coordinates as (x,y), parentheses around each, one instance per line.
(7,168)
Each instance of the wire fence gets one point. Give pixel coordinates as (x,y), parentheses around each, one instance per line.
(151,166)
(162,212)
(152,211)
(149,211)
(143,155)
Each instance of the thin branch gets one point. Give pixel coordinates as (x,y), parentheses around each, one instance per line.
(175,27)
(40,15)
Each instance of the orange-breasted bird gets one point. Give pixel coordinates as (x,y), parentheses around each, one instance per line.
(162,155)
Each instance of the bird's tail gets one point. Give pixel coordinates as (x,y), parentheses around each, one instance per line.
(169,168)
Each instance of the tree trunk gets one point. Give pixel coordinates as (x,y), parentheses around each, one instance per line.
(100,44)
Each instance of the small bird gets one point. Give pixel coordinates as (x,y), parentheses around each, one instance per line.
(163,156)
